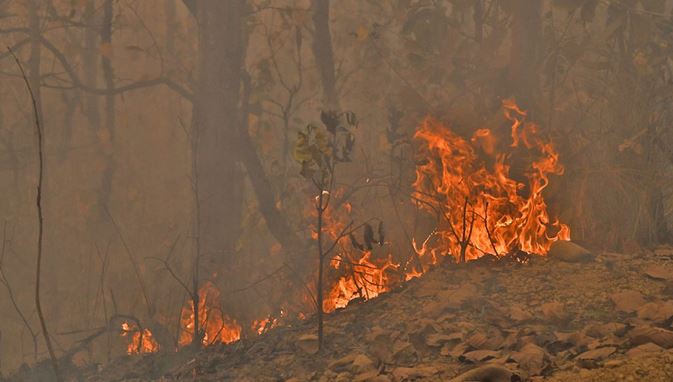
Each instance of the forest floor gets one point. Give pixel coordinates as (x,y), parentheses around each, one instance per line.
(602,318)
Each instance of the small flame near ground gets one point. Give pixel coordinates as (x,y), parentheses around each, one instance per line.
(213,322)
(466,183)
(142,341)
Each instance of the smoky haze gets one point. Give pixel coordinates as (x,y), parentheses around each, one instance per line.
(174,160)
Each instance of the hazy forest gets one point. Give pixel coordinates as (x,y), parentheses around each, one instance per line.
(213,190)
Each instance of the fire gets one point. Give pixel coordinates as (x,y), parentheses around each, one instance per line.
(363,278)
(359,274)
(466,183)
(214,324)
(480,207)
(141,340)
(264,325)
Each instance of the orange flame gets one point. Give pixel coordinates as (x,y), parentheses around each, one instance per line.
(213,323)
(141,340)
(359,274)
(363,278)
(482,202)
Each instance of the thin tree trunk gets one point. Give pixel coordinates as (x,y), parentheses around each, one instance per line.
(321,258)
(108,135)
(89,65)
(33,84)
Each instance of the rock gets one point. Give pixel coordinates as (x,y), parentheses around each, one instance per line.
(644,334)
(569,252)
(518,314)
(486,340)
(458,350)
(576,339)
(479,355)
(555,311)
(490,373)
(597,354)
(308,343)
(659,272)
(628,301)
(438,340)
(531,358)
(658,311)
(404,354)
(362,364)
(344,377)
(342,363)
(380,343)
(408,373)
(371,376)
(647,349)
(603,330)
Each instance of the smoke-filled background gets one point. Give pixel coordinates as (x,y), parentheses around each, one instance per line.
(169,132)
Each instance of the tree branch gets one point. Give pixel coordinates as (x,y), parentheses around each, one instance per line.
(40,220)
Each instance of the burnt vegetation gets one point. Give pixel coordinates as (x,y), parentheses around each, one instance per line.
(203,178)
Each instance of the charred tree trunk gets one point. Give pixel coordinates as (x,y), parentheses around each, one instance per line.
(324,53)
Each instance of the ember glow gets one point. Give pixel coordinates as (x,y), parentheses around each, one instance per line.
(215,325)
(467,185)
(141,340)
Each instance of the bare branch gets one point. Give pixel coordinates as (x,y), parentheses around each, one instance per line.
(40,219)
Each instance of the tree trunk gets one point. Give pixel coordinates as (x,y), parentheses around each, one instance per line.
(324,54)
(525,52)
(215,119)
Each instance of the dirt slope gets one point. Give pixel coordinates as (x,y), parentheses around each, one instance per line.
(589,319)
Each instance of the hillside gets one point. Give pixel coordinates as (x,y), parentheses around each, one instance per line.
(598,318)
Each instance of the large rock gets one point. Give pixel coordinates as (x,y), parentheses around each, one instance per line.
(569,252)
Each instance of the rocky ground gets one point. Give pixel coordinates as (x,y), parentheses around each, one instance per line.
(567,317)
